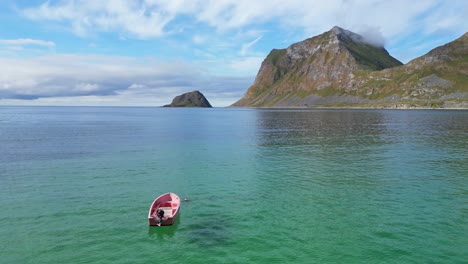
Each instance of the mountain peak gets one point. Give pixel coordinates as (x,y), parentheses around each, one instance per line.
(338,30)
(346,35)
(316,64)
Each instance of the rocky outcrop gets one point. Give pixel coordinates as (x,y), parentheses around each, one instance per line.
(191,99)
(341,68)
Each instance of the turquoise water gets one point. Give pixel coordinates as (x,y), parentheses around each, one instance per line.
(265,186)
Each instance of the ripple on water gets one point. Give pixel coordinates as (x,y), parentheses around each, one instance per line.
(265,186)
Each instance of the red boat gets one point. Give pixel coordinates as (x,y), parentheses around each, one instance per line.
(164,210)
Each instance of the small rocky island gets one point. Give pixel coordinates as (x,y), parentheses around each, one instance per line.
(191,99)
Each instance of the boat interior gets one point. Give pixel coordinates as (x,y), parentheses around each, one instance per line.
(168,209)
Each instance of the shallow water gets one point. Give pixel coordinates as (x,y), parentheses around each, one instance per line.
(265,186)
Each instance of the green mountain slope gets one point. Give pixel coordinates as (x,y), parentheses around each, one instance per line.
(339,68)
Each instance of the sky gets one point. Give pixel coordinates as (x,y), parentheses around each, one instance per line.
(146,52)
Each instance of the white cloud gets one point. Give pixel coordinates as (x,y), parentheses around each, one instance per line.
(373,36)
(152,18)
(117,80)
(247,46)
(199,39)
(246,65)
(87,87)
(141,20)
(389,22)
(68,75)
(27,41)
(448,16)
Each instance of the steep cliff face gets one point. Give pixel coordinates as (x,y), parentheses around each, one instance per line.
(340,67)
(315,64)
(191,99)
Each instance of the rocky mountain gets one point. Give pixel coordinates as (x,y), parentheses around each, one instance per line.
(340,68)
(191,99)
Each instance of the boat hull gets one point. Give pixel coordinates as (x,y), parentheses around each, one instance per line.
(169,203)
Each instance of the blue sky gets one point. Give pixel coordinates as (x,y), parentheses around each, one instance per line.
(145,52)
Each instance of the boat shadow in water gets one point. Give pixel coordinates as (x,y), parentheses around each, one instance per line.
(213,231)
(164,232)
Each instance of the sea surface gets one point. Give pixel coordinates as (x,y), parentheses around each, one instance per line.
(264,186)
